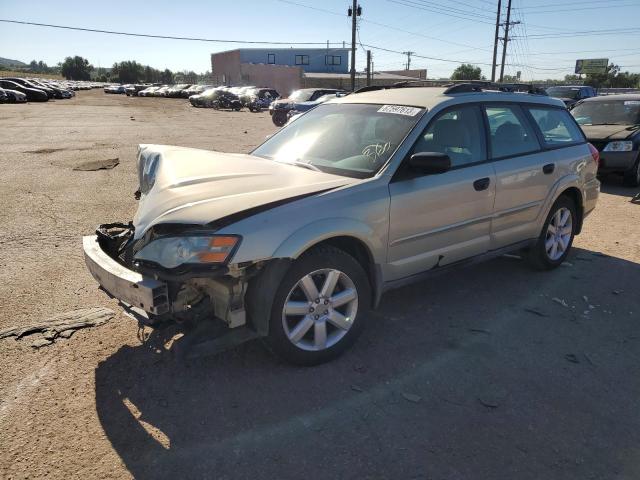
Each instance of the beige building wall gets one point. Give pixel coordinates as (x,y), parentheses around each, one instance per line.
(226,69)
(420,74)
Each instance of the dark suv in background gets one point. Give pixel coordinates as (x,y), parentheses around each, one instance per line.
(571,94)
(280,108)
(612,124)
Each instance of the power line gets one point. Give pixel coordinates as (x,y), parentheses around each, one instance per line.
(409,3)
(167,37)
(619,31)
(537,12)
(384,25)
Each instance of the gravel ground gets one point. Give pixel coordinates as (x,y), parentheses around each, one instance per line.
(490,372)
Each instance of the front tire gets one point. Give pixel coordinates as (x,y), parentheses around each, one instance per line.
(319,308)
(279,118)
(555,240)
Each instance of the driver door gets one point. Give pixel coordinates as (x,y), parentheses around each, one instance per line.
(439,219)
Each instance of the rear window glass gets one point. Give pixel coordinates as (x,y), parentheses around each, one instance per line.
(510,134)
(557,126)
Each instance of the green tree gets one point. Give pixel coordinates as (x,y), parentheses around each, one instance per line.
(128,71)
(466,71)
(166,76)
(76,68)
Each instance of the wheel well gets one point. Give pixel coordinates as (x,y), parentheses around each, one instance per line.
(358,250)
(574,194)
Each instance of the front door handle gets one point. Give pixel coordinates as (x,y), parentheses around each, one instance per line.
(482,184)
(549,168)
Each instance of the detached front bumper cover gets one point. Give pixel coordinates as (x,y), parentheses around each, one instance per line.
(118,281)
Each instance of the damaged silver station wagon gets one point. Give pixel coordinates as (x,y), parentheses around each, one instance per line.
(297,241)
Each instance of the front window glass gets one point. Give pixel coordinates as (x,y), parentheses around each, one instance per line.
(557,126)
(605,112)
(346,139)
(457,133)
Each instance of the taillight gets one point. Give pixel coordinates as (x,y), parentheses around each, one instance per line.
(594,153)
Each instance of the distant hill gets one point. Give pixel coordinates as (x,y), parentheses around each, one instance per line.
(7,62)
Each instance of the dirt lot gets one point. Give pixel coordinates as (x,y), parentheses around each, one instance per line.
(479,374)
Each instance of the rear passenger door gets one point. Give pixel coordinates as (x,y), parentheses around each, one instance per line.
(523,174)
(439,219)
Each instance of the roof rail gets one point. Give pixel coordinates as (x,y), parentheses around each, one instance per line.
(463,88)
(501,87)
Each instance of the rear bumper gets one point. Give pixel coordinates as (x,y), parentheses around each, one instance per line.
(131,287)
(617,161)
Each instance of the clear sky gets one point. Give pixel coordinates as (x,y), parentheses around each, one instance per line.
(551,36)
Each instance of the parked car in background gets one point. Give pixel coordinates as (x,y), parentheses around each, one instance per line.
(14,96)
(194,90)
(280,108)
(612,125)
(303,107)
(29,84)
(4,97)
(259,98)
(116,89)
(571,94)
(161,92)
(205,98)
(297,241)
(218,98)
(33,94)
(133,90)
(148,92)
(226,100)
(176,90)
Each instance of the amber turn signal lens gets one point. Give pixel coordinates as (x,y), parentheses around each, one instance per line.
(223,241)
(212,257)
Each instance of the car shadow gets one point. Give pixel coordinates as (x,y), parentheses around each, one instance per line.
(478,370)
(612,185)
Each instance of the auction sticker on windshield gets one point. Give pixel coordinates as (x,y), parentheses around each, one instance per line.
(400,110)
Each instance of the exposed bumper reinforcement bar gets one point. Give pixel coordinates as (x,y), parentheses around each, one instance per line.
(131,287)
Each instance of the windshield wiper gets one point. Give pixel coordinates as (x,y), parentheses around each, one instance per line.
(307,165)
(633,127)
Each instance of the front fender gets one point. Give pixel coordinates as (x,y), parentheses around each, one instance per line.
(316,232)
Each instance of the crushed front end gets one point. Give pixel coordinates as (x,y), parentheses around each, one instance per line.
(195,283)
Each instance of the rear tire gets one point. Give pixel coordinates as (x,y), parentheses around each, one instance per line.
(327,297)
(555,240)
(632,177)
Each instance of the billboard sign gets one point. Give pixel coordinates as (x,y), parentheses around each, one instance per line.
(591,65)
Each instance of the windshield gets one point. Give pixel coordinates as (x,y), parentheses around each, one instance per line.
(612,112)
(301,95)
(563,92)
(354,140)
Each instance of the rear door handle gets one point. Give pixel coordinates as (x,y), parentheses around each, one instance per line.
(482,184)
(549,168)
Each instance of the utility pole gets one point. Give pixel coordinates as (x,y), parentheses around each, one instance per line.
(408,54)
(368,68)
(506,39)
(354,12)
(495,43)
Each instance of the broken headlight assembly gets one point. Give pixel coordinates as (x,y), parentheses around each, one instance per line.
(148,163)
(171,252)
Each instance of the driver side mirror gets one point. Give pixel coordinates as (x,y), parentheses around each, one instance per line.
(430,163)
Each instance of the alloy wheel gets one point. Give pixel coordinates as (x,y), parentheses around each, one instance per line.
(320,309)
(559,234)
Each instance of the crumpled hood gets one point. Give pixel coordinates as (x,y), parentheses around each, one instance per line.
(607,132)
(199,186)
